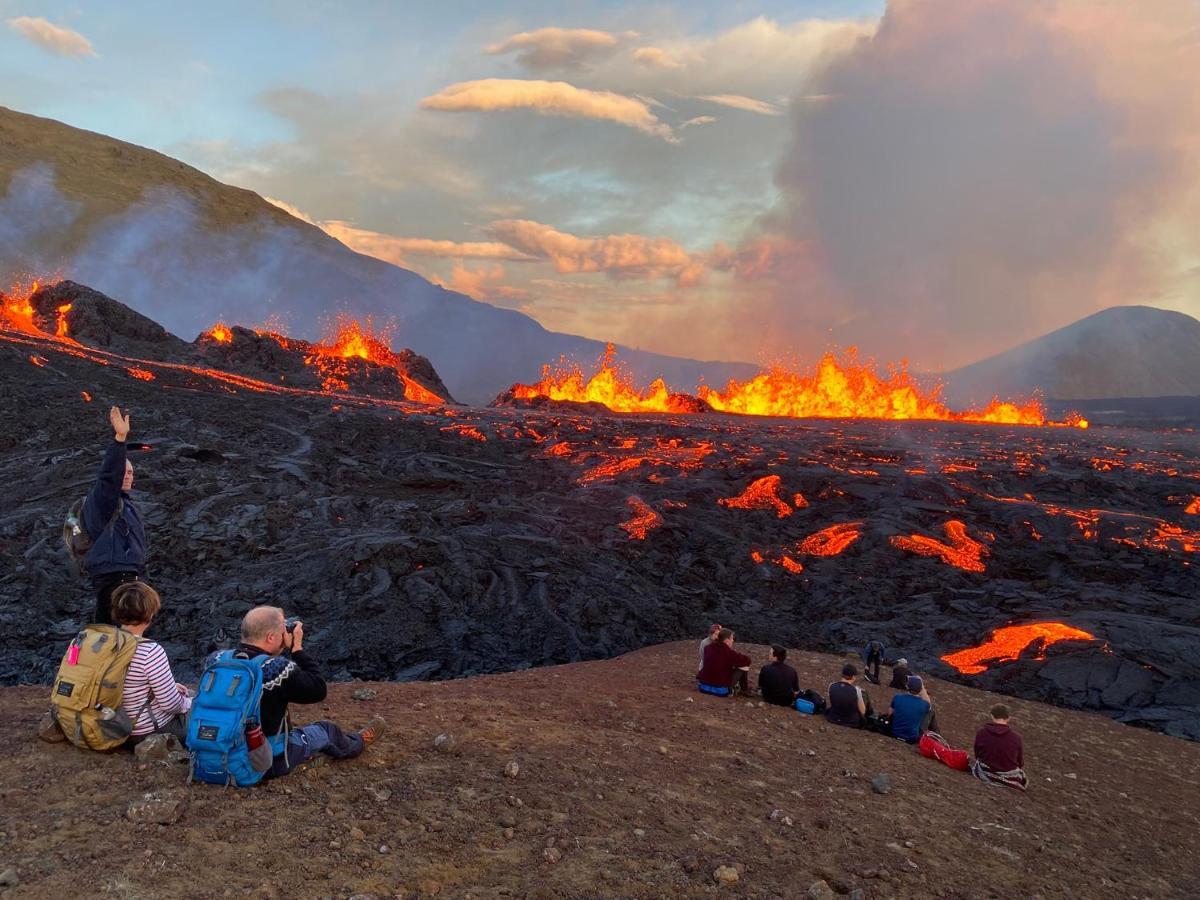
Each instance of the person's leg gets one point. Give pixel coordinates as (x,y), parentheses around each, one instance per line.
(741,681)
(327,737)
(929,723)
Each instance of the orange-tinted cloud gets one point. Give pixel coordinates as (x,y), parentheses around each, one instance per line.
(560,48)
(749,104)
(655,58)
(54,38)
(552,98)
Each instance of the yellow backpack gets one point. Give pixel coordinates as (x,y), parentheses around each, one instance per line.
(89,686)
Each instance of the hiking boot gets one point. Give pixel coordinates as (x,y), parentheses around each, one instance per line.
(49,731)
(373,730)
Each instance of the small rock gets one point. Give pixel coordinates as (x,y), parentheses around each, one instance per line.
(726,875)
(881,783)
(639,832)
(365,693)
(512,770)
(158,748)
(357,834)
(909,844)
(155,809)
(445,743)
(507,819)
(382,794)
(551,855)
(508,834)
(8,878)
(690,863)
(383,848)
(820,890)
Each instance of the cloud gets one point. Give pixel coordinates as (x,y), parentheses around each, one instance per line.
(655,58)
(618,255)
(553,98)
(292,210)
(54,38)
(398,249)
(483,283)
(560,48)
(698,120)
(984,171)
(749,104)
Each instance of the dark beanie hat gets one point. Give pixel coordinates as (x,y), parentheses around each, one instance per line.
(915,684)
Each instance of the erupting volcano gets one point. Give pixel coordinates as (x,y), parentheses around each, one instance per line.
(845,388)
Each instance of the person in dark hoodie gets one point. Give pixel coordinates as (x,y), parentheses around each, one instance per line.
(291,675)
(1000,752)
(112,521)
(777,681)
(900,673)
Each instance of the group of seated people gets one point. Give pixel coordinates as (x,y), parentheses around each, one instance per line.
(156,704)
(999,750)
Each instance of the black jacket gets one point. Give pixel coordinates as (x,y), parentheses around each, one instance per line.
(123,547)
(286,679)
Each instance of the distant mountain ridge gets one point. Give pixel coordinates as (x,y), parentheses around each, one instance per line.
(185,249)
(1120,352)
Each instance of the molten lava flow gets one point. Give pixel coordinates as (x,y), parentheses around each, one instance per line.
(1193,508)
(850,389)
(86,396)
(142,374)
(761,494)
(61,328)
(349,339)
(220,333)
(467,431)
(644,519)
(39,361)
(783,560)
(16,310)
(610,385)
(1008,643)
(962,551)
(832,540)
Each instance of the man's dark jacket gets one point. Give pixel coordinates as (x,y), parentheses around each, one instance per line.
(286,679)
(123,547)
(778,683)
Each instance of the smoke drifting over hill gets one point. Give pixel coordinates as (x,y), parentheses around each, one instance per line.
(983,171)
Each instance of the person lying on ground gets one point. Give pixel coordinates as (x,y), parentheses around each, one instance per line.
(713,631)
(900,673)
(872,657)
(911,713)
(725,667)
(153,700)
(112,521)
(1000,752)
(295,678)
(778,682)
(849,705)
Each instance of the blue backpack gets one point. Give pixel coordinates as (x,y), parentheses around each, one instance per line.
(226,704)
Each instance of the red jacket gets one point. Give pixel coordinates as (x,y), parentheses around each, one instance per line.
(721,662)
(999,748)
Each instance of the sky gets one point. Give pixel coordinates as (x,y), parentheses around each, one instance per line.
(928,179)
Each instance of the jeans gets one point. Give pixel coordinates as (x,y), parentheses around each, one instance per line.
(307,741)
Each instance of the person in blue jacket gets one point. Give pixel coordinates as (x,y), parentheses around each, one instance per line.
(112,521)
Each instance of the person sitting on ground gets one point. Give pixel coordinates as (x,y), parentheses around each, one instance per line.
(153,700)
(900,673)
(872,657)
(1000,752)
(777,681)
(848,703)
(911,712)
(725,667)
(112,521)
(295,678)
(713,631)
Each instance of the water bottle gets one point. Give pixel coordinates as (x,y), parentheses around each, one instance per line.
(254,735)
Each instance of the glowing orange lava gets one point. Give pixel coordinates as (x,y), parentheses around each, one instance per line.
(1008,643)
(220,333)
(61,328)
(761,494)
(644,519)
(349,339)
(844,388)
(467,431)
(963,551)
(141,374)
(1193,508)
(611,386)
(832,540)
(16,310)
(86,396)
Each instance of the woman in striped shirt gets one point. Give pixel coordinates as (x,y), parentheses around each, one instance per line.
(152,699)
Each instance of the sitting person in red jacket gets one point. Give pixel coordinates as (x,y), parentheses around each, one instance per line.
(1000,752)
(723,666)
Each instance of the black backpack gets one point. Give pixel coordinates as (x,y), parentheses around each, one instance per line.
(76,538)
(815,698)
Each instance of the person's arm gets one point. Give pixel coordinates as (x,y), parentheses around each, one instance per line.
(106,492)
(1020,752)
(164,693)
(862,704)
(743,661)
(795,685)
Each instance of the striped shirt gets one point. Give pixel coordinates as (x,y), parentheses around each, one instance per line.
(150,678)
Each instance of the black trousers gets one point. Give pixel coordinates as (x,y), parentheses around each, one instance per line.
(105,585)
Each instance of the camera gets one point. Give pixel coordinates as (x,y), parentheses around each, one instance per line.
(290,623)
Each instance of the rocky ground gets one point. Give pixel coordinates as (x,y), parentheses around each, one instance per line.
(426,542)
(612,779)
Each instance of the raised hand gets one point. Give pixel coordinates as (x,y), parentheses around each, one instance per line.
(120,423)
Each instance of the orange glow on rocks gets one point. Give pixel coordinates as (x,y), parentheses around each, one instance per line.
(220,333)
(761,494)
(644,519)
(1193,508)
(1008,643)
(832,540)
(16,311)
(963,551)
(142,374)
(61,328)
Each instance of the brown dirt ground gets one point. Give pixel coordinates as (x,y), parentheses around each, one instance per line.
(607,750)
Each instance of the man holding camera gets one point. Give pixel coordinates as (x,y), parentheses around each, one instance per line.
(295,678)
